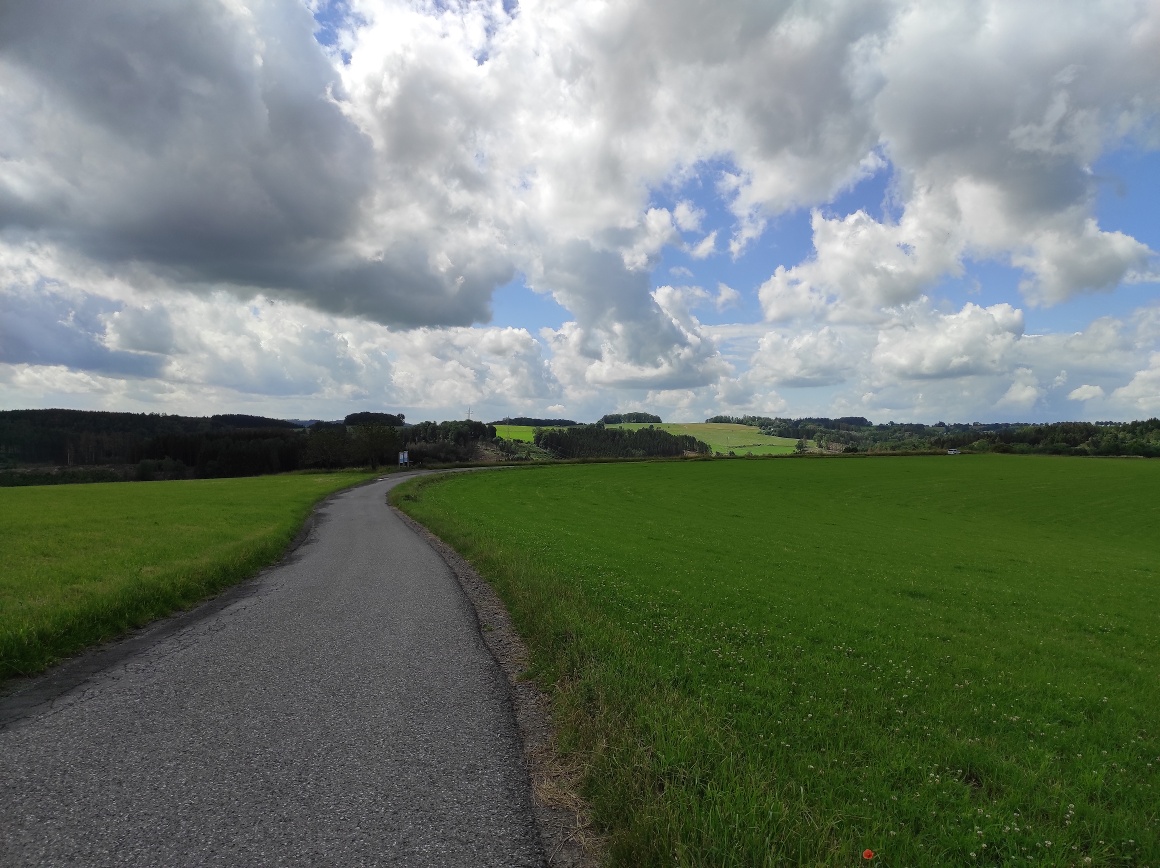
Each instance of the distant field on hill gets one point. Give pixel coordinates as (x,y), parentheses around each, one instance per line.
(84,563)
(948,661)
(522,433)
(724,437)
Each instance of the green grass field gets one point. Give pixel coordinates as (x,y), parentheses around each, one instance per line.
(523,433)
(724,438)
(949,661)
(84,563)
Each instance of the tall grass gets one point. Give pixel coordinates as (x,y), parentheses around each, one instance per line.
(83,563)
(945,660)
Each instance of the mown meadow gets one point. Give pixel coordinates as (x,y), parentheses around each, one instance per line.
(948,660)
(84,563)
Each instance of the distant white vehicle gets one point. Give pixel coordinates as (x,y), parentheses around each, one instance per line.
(953,452)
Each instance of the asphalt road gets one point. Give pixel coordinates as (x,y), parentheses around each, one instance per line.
(342,710)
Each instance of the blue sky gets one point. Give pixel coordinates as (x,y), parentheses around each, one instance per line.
(885,209)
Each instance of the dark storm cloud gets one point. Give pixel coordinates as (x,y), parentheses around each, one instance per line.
(206,143)
(209,143)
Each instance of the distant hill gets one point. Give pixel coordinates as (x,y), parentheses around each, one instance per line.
(536,423)
(622,418)
(390,419)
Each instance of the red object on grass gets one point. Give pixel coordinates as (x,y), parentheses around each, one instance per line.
(867,854)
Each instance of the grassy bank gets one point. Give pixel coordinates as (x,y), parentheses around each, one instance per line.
(84,563)
(946,660)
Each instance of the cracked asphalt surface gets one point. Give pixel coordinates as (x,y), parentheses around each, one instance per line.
(343,710)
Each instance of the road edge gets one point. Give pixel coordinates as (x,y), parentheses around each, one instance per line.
(561,814)
(20,697)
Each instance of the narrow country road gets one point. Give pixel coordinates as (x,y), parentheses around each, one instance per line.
(343,710)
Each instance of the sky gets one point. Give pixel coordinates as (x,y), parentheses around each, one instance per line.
(565,208)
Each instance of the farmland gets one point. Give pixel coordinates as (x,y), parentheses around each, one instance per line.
(523,433)
(944,660)
(84,563)
(725,438)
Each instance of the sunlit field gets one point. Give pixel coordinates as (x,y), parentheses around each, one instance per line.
(84,563)
(523,433)
(945,660)
(721,437)
(724,437)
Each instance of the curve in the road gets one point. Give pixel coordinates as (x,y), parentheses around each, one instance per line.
(343,711)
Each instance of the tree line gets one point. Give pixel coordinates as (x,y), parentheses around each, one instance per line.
(38,446)
(532,422)
(794,427)
(627,418)
(44,446)
(857,434)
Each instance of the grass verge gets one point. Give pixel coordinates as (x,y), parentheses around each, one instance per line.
(948,661)
(81,564)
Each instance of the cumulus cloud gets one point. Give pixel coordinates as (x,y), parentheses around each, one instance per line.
(983,169)
(212,350)
(1085,393)
(658,230)
(1142,394)
(1023,392)
(366,200)
(727,296)
(787,296)
(688,216)
(706,247)
(820,358)
(924,344)
(1068,263)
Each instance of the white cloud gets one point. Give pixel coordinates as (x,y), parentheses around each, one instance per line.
(1142,394)
(658,230)
(165,171)
(819,358)
(688,216)
(922,344)
(1023,392)
(727,296)
(984,169)
(1085,393)
(1065,264)
(786,296)
(706,247)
